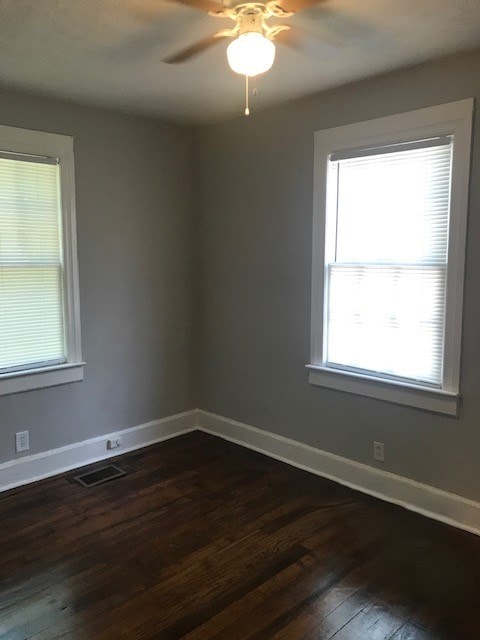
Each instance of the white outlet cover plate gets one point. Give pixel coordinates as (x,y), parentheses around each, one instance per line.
(378,451)
(22,441)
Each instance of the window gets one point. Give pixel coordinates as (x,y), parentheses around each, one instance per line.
(39,310)
(390,219)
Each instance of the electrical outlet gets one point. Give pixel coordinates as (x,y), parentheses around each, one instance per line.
(22,441)
(114,443)
(378,451)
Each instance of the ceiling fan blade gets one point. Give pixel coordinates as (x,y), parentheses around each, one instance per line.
(202,5)
(302,35)
(298,5)
(298,38)
(193,50)
(289,37)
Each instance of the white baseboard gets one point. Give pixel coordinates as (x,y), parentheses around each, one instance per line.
(50,463)
(449,508)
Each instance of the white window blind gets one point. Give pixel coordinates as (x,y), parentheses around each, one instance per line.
(386,269)
(31,292)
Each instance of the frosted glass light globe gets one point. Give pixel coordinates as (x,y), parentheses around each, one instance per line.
(250,54)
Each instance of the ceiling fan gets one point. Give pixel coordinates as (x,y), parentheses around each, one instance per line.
(252,50)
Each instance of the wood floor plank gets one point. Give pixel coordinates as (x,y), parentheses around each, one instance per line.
(410,631)
(205,540)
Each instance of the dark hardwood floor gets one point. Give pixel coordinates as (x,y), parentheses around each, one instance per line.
(204,539)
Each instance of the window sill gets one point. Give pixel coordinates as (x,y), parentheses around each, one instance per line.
(19,381)
(387,390)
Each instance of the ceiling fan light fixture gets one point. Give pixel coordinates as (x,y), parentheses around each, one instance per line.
(251,54)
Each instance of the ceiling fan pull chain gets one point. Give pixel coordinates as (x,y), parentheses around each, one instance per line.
(247,110)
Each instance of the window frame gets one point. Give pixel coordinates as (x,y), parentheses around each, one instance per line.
(452,119)
(28,142)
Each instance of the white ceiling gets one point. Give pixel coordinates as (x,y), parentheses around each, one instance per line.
(109,52)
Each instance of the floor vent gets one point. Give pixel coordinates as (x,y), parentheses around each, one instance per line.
(99,476)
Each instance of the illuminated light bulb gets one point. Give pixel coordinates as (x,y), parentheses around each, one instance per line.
(250,54)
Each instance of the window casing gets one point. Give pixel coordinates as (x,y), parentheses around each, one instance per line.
(390,212)
(39,301)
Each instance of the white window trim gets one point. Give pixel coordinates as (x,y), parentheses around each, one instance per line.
(455,119)
(61,147)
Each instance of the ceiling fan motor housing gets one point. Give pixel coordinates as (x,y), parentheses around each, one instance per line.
(250,21)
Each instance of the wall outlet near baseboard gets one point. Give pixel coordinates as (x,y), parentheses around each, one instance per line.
(378,451)
(114,443)
(22,441)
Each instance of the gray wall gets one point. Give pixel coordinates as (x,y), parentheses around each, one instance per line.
(254,185)
(241,267)
(135,250)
